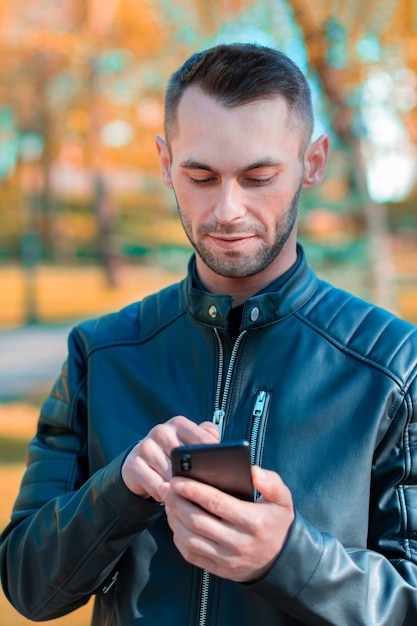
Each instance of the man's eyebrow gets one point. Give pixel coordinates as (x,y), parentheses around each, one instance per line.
(193,164)
(262,163)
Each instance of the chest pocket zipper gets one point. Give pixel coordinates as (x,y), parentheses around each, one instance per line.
(258,425)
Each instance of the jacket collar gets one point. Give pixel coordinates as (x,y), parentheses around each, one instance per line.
(258,310)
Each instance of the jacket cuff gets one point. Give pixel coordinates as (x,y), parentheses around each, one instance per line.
(127,506)
(295,566)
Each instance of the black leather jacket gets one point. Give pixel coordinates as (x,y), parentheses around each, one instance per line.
(335,380)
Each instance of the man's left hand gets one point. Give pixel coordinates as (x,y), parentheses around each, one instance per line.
(230,538)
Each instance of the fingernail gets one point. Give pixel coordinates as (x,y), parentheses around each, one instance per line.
(163,490)
(178,485)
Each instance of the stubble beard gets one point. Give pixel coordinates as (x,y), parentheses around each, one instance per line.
(235,265)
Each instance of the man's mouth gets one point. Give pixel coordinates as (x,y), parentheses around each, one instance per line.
(230,242)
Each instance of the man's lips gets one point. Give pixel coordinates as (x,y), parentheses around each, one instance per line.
(230,242)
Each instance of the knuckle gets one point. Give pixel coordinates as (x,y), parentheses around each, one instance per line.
(193,544)
(197,524)
(215,504)
(158,431)
(178,420)
(144,445)
(256,526)
(186,546)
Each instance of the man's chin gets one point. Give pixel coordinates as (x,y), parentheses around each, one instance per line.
(240,269)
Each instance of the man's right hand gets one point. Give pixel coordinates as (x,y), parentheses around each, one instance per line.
(148,465)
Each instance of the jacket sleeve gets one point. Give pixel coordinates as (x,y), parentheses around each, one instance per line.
(68,529)
(321,582)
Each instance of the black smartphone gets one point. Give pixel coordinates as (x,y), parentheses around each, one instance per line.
(225,465)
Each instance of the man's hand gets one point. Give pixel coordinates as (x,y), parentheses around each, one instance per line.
(231,538)
(148,465)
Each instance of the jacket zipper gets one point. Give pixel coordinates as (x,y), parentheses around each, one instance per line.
(205,587)
(220,403)
(258,414)
(257,427)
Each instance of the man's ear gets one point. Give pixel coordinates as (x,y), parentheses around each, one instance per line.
(315,161)
(164,159)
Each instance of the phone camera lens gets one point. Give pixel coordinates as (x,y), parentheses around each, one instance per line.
(186,462)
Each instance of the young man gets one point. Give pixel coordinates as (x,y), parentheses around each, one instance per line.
(321,383)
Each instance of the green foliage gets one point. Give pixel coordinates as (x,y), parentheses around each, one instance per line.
(12,450)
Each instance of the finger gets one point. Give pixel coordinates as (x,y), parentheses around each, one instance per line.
(195,547)
(157,446)
(219,504)
(195,529)
(148,465)
(211,428)
(271,486)
(153,454)
(187,432)
(209,542)
(141,479)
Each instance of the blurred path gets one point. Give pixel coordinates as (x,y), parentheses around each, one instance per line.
(30,357)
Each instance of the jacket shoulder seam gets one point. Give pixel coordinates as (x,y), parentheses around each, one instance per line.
(128,342)
(345,347)
(134,324)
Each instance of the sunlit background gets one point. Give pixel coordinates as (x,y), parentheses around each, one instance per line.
(85,224)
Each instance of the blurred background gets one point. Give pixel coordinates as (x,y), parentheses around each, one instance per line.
(85,224)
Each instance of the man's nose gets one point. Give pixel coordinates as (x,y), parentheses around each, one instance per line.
(230,204)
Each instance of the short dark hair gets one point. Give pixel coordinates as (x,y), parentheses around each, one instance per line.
(240,73)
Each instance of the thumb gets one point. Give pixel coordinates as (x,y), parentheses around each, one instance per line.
(271,486)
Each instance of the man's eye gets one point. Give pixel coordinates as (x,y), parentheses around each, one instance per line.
(201,181)
(260,181)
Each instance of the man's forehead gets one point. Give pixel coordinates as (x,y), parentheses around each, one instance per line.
(203,121)
(200,113)
(194,97)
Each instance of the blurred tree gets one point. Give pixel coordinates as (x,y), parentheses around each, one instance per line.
(78,68)
(346,42)
(83,82)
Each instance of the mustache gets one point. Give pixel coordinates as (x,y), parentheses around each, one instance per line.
(214,228)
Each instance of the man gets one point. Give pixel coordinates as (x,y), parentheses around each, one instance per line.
(321,383)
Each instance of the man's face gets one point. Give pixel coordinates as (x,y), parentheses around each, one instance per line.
(237,174)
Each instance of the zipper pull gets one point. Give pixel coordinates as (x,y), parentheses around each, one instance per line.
(258,409)
(218,419)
